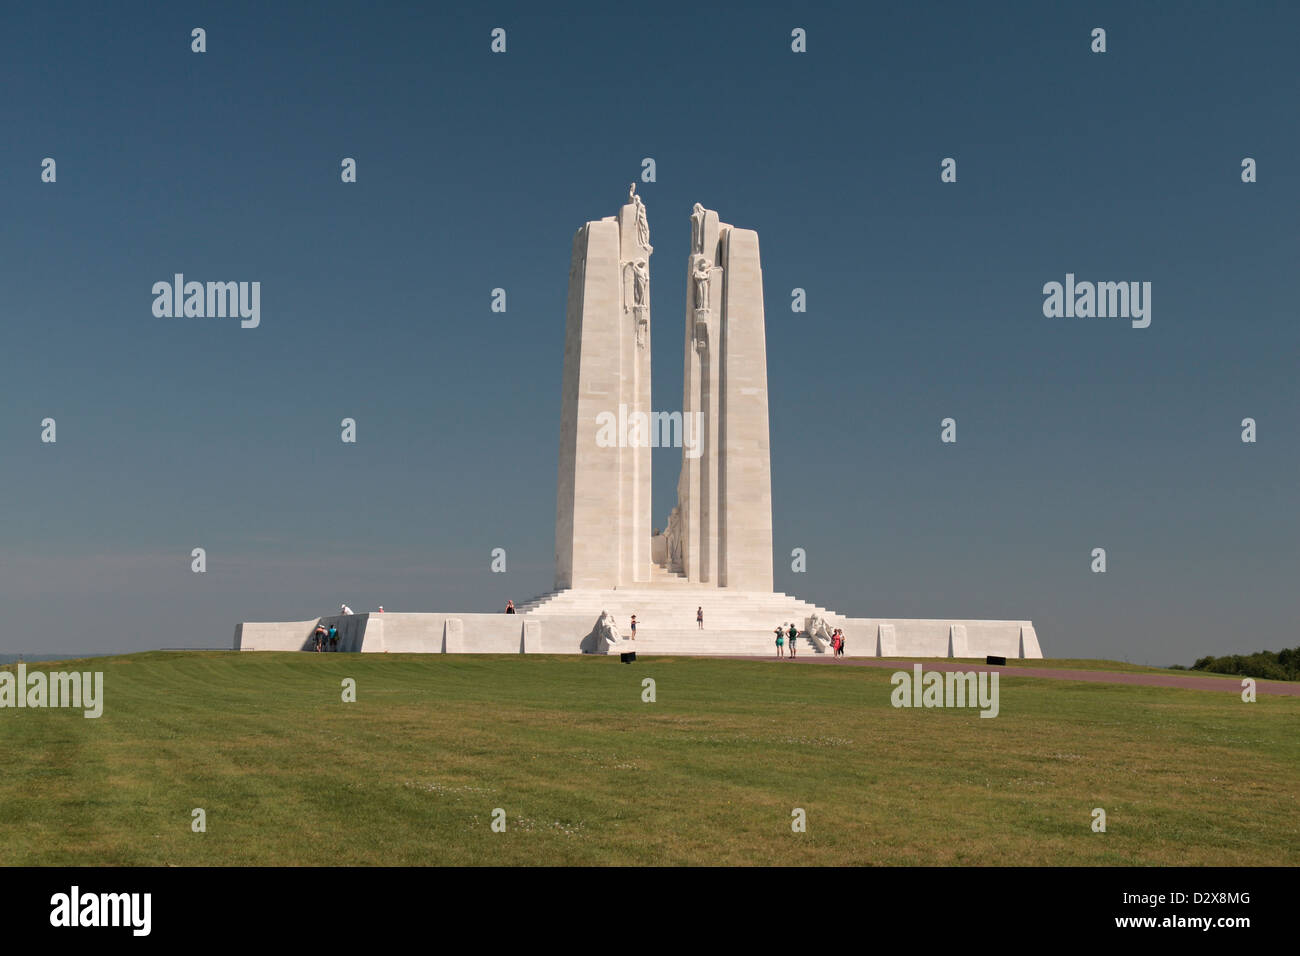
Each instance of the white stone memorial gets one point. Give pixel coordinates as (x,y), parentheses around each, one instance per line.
(602,525)
(716,549)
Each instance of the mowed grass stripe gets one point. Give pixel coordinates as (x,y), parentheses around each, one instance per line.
(589,774)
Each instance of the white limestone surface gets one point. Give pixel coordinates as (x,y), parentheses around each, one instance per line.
(742,624)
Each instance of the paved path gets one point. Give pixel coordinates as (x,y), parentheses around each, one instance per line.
(1281,688)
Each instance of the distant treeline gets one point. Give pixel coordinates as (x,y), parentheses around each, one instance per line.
(1272,665)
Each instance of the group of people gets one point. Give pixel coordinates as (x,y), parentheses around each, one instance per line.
(787,637)
(326,639)
(782,636)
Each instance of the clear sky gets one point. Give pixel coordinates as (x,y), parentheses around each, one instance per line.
(474,169)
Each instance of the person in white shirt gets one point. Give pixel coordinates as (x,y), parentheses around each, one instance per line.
(345,609)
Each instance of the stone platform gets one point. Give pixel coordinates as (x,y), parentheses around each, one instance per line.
(563,622)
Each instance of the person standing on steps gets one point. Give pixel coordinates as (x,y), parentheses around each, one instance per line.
(699,617)
(780,641)
(794,633)
(634,627)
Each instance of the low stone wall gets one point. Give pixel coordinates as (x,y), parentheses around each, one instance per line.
(401,633)
(880,637)
(274,636)
(493,633)
(297,635)
(496,633)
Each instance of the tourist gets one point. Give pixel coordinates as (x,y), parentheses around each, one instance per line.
(780,640)
(634,627)
(318,637)
(343,608)
(699,617)
(334,637)
(794,633)
(841,643)
(835,642)
(510,607)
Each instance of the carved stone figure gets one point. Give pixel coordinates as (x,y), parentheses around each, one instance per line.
(816,628)
(636,285)
(606,629)
(641,283)
(637,291)
(674,536)
(702,275)
(642,226)
(697,229)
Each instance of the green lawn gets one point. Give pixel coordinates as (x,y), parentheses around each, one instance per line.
(589,774)
(1093,664)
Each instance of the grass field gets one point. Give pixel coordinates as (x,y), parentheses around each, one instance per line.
(1087,664)
(588,773)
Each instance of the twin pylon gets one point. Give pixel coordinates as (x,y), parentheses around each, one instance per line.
(720,532)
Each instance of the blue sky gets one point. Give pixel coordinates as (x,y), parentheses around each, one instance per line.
(474,170)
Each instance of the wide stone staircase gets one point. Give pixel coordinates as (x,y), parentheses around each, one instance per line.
(735,622)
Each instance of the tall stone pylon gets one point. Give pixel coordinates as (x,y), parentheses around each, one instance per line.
(721,532)
(602,523)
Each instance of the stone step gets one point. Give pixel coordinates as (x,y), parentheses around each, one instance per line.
(663,623)
(749,643)
(667,594)
(659,625)
(661,610)
(652,588)
(692,602)
(663,575)
(678,609)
